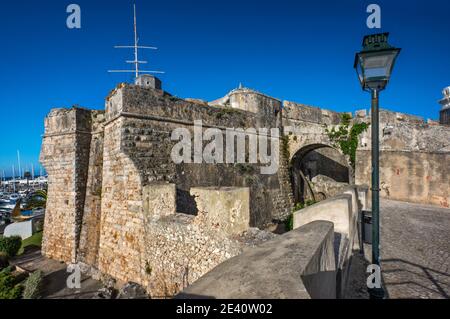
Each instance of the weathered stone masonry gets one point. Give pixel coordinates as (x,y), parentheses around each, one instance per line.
(414,159)
(114,159)
(68,136)
(119,204)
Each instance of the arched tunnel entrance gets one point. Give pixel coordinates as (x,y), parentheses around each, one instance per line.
(318,171)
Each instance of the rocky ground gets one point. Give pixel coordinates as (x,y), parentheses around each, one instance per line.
(415,253)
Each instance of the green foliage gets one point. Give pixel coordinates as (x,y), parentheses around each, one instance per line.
(4,260)
(37,200)
(289,223)
(346,138)
(310,202)
(148,268)
(35,240)
(33,286)
(298,207)
(10,245)
(285,147)
(8,287)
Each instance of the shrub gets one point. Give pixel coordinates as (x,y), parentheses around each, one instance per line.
(33,286)
(310,202)
(298,207)
(8,287)
(289,223)
(346,137)
(10,245)
(4,260)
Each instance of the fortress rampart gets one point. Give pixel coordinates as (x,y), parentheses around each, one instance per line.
(118,203)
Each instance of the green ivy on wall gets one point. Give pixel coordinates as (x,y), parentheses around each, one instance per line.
(346,136)
(285,147)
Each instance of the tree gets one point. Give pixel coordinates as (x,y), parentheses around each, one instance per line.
(38,199)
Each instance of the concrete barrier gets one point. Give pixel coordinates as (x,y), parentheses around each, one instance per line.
(363,196)
(297,265)
(22,229)
(344,211)
(336,210)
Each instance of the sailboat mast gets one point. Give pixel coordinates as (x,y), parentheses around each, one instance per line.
(18,160)
(14,179)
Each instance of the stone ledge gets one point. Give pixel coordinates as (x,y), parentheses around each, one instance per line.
(297,265)
(344,212)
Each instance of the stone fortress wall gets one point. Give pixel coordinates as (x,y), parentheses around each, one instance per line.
(118,204)
(414,159)
(109,170)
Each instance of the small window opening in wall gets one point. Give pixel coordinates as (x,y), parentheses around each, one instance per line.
(67,202)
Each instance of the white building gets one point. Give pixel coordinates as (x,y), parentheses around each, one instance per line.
(445,102)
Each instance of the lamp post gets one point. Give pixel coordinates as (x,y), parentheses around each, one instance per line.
(374,66)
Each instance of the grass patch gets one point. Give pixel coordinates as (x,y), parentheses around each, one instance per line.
(35,240)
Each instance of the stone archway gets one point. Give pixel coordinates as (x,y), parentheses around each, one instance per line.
(318,171)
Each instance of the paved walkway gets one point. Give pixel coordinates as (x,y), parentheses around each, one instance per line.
(415,253)
(415,250)
(55,276)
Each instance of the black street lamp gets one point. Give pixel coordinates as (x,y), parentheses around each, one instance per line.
(374,66)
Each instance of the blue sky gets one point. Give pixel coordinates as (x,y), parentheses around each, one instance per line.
(294,50)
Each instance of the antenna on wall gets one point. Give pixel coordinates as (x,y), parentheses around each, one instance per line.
(136,48)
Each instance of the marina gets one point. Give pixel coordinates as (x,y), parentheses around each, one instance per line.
(21,199)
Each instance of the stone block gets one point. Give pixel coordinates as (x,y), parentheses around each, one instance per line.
(148,81)
(361,113)
(159,200)
(224,208)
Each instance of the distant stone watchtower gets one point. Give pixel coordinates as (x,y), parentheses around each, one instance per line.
(445,102)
